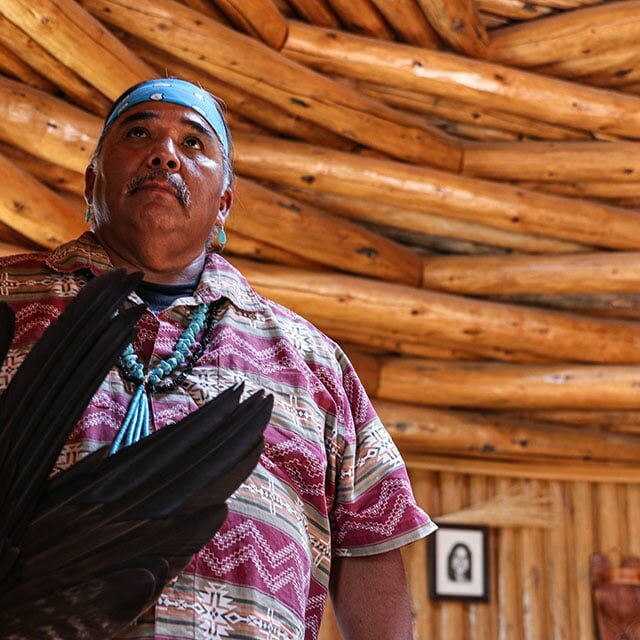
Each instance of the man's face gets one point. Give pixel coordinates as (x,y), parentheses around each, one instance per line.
(159,181)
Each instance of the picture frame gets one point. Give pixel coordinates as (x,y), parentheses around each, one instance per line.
(459,563)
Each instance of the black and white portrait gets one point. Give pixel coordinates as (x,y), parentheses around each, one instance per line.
(458,563)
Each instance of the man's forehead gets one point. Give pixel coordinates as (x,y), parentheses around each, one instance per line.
(165,112)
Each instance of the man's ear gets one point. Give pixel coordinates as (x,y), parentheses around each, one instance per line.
(226,200)
(89,182)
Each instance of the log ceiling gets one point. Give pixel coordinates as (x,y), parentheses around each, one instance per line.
(450,188)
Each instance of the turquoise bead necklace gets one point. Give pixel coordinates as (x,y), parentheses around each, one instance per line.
(136,421)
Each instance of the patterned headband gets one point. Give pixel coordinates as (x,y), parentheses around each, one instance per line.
(177,92)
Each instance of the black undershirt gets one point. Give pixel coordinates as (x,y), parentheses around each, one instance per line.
(161,296)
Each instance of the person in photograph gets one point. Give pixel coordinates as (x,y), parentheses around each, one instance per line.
(459,563)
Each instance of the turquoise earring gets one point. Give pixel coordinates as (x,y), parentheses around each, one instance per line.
(221,238)
(88,214)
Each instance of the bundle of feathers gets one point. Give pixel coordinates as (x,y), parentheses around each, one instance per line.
(85,552)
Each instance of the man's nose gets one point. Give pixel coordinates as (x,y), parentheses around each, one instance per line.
(164,156)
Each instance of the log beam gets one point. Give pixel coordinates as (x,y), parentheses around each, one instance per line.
(79,41)
(484,84)
(252,66)
(436,192)
(458,23)
(451,319)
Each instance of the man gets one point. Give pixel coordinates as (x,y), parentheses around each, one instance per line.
(330,504)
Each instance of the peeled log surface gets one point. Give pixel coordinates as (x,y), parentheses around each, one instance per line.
(246,247)
(258,18)
(457,111)
(420,222)
(485,84)
(264,214)
(554,161)
(77,90)
(316,12)
(436,192)
(421,430)
(11,249)
(35,211)
(79,41)
(361,16)
(52,175)
(254,67)
(249,106)
(47,127)
(498,386)
(518,9)
(614,421)
(620,192)
(452,319)
(408,21)
(603,272)
(14,67)
(567,35)
(458,23)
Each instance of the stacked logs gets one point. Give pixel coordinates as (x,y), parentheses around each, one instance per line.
(447,188)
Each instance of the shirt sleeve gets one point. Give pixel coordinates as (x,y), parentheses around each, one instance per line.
(374,509)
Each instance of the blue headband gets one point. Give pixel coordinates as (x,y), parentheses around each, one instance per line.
(177,92)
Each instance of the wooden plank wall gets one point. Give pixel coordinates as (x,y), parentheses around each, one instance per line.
(540,574)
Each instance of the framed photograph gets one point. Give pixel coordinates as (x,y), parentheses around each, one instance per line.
(459,563)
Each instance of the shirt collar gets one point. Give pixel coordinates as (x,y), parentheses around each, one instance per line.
(218,279)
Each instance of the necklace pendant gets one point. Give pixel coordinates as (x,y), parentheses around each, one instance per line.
(136,422)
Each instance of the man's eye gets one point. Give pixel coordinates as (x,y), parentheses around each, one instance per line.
(137,132)
(194,143)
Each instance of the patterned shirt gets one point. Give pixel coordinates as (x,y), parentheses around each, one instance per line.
(330,480)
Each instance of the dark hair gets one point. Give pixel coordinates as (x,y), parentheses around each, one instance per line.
(450,571)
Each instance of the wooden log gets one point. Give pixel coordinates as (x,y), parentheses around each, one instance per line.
(559,569)
(491,21)
(484,84)
(14,67)
(452,319)
(249,106)
(52,175)
(207,8)
(263,72)
(584,546)
(476,133)
(12,249)
(516,9)
(46,127)
(11,237)
(417,429)
(567,35)
(247,247)
(595,189)
(533,577)
(453,492)
(509,616)
(408,21)
(327,239)
(554,161)
(259,18)
(457,111)
(76,90)
(316,12)
(421,222)
(585,273)
(498,385)
(608,521)
(616,472)
(614,421)
(35,211)
(80,42)
(458,23)
(420,188)
(361,16)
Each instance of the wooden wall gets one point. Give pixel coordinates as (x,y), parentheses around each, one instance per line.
(539,571)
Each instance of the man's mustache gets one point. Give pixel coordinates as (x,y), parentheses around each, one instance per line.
(182,191)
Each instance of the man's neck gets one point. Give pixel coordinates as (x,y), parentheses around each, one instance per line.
(157,271)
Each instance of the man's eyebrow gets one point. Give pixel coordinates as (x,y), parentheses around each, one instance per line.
(140,115)
(194,124)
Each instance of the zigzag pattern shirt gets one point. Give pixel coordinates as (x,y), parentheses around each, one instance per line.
(329,483)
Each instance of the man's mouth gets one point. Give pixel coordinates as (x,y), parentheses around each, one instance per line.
(163,182)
